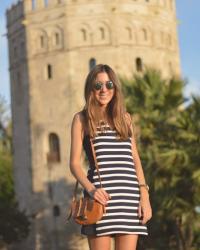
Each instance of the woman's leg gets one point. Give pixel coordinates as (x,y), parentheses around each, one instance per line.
(99,242)
(126,241)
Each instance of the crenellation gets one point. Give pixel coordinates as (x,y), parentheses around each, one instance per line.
(34,5)
(15,12)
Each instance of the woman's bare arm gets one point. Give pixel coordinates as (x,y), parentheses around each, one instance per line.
(138,167)
(77,133)
(145,207)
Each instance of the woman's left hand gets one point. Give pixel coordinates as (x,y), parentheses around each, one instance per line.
(144,210)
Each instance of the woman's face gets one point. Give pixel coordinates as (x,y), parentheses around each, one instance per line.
(105,94)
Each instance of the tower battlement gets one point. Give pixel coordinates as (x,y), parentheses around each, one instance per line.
(27,6)
(15,12)
(23,7)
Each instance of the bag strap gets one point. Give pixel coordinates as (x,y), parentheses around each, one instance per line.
(95,161)
(97,168)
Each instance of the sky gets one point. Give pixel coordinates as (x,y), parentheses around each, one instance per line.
(189,42)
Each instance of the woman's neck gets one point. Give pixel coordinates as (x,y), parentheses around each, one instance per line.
(103,114)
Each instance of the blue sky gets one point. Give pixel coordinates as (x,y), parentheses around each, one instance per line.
(189,41)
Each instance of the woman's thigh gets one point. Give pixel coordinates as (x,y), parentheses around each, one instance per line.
(126,241)
(99,242)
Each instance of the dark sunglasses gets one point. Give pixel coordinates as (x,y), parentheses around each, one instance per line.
(99,85)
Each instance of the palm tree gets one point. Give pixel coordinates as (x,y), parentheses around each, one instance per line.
(157,106)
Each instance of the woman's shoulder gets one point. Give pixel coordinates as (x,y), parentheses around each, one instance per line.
(78,118)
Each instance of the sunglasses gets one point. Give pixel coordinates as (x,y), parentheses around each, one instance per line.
(99,85)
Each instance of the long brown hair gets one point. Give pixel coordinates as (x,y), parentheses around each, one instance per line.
(115,110)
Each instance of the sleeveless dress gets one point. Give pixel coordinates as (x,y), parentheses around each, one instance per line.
(119,179)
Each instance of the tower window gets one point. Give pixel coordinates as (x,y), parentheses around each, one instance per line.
(49,71)
(92,63)
(57,39)
(56,211)
(102,32)
(54,148)
(139,66)
(41,41)
(84,34)
(129,32)
(144,32)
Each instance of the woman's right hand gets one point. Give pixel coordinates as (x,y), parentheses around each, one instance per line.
(100,195)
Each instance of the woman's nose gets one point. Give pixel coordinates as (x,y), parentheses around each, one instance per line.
(103,89)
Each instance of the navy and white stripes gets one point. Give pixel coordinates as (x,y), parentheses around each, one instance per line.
(119,179)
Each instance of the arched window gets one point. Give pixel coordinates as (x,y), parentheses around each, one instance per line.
(54,148)
(40,38)
(139,65)
(84,34)
(144,34)
(41,41)
(56,39)
(92,63)
(102,32)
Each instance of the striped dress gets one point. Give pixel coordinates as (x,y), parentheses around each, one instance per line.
(119,179)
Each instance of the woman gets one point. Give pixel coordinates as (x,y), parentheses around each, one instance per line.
(124,191)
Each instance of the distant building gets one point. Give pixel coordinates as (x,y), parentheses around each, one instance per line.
(52,46)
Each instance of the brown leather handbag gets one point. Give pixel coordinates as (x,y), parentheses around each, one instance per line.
(86,211)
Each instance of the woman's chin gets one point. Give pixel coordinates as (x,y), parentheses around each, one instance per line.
(103,103)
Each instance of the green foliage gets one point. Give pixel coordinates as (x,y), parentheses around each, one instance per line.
(169,146)
(6,180)
(14,224)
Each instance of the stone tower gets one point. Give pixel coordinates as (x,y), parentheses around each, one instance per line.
(52,46)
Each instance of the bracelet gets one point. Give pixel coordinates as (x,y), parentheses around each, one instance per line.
(145,186)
